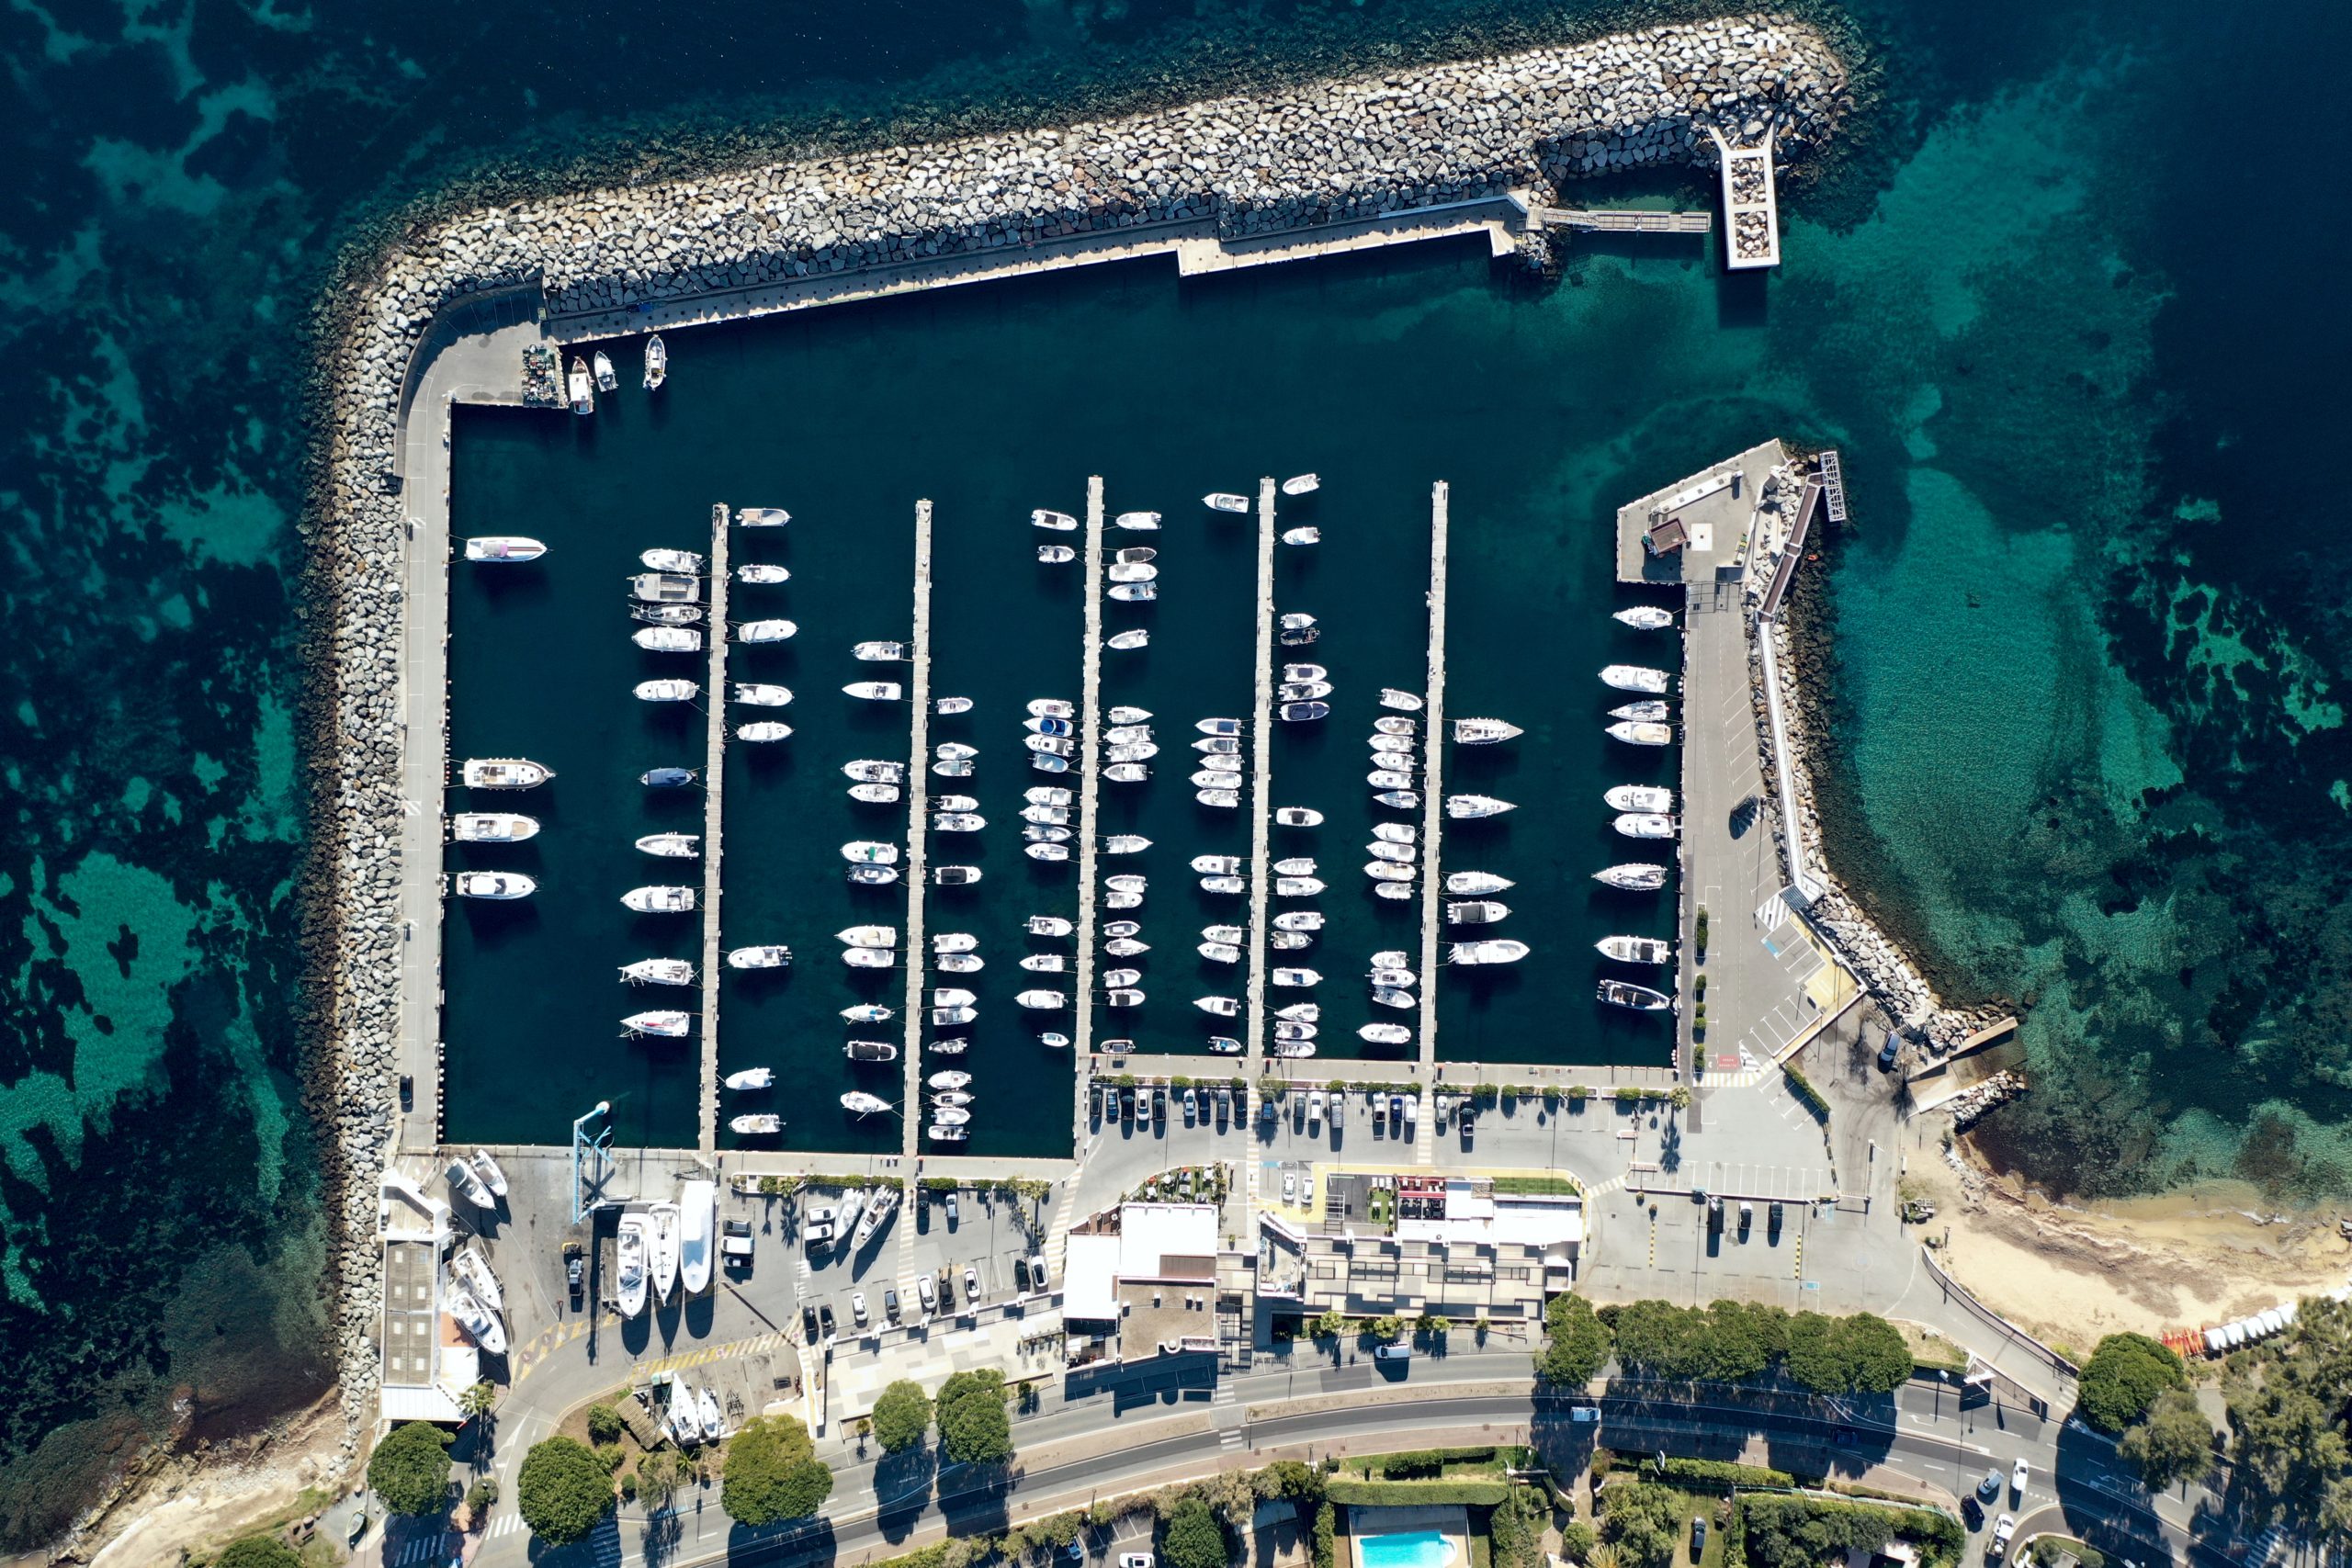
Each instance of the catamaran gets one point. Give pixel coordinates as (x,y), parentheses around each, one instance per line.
(505,547)
(492,827)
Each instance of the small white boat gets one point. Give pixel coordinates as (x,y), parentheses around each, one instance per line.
(868,1012)
(1297,920)
(1233,886)
(1224,799)
(870,958)
(660,900)
(1126,882)
(1115,978)
(657,362)
(1218,725)
(1396,832)
(1389,779)
(505,547)
(1125,947)
(1484,731)
(1218,1007)
(1224,500)
(1047,925)
(1299,713)
(504,773)
(874,690)
(1634,734)
(1476,912)
(668,778)
(670,588)
(1224,933)
(582,387)
(1225,1046)
(1293,1050)
(1400,799)
(1387,871)
(1216,778)
(948,1018)
(667,639)
(1645,618)
(1059,522)
(958,822)
(1049,794)
(1133,592)
(1130,572)
(1652,711)
(1130,716)
(1402,855)
(1040,761)
(1042,1001)
(1297,621)
(1386,1034)
(1144,520)
(471,1269)
(1394,891)
(492,827)
(1644,825)
(1042,723)
(1287,1032)
(1466,806)
(1635,949)
(672,846)
(1134,555)
(1126,640)
(1297,887)
(1394,997)
(869,771)
(770,956)
(1641,999)
(754,694)
(1217,746)
(1633,878)
(1125,844)
(1302,691)
(879,652)
(1396,724)
(1301,484)
(954,803)
(761,1124)
(606,381)
(1051,745)
(870,851)
(481,1325)
(685,562)
(1490,952)
(945,1133)
(1302,535)
(1298,979)
(1051,707)
(1056,554)
(1639,797)
(1289,942)
(763,517)
(1217,865)
(1297,817)
(1477,884)
(1393,745)
(1306,672)
(954,875)
(871,1051)
(1390,958)
(670,1026)
(1122,900)
(1634,678)
(1295,866)
(1403,701)
(1219,951)
(765,730)
(955,751)
(950,705)
(1046,963)
(765,631)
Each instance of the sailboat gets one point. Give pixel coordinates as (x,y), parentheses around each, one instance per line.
(664,1249)
(1484,731)
(1633,878)
(635,1234)
(1465,806)
(659,972)
(1645,618)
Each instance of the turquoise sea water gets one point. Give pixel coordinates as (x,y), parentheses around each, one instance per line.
(2070,319)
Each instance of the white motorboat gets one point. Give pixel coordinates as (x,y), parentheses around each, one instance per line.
(1297,817)
(1634,734)
(1134,555)
(868,1012)
(1047,925)
(1059,522)
(1306,672)
(758,574)
(1125,947)
(667,639)
(1224,933)
(1634,678)
(951,705)
(1045,816)
(668,1024)
(1232,887)
(867,936)
(1293,1050)
(885,1201)
(1049,794)
(1296,979)
(1126,640)
(1298,920)
(492,885)
(481,1324)
(1645,618)
(1122,900)
(1224,500)
(670,588)
(1301,484)
(765,631)
(1297,621)
(958,822)
(1393,745)
(1652,710)
(1046,963)
(1302,691)
(1395,996)
(949,1115)
(1052,745)
(683,561)
(857,1102)
(1299,713)
(1399,799)
(1115,978)
(1644,825)
(504,773)
(954,875)
(872,1052)
(1125,844)
(870,771)
(1641,999)
(769,955)
(875,691)
(946,1135)
(1402,855)
(870,851)
(1396,832)
(1051,707)
(1297,887)
(1389,780)
(1046,852)
(764,731)
(472,1269)
(1289,942)
(1387,871)
(879,652)
(1042,1001)
(1386,1034)
(1489,952)
(955,751)
(948,1018)
(1144,521)
(1302,535)
(869,957)
(1133,592)
(1476,912)
(1217,865)
(1056,554)
(955,941)
(753,694)
(1130,572)
(762,1123)
(1396,892)
(1295,866)
(636,1263)
(1042,723)
(1225,1046)
(763,517)
(1468,806)
(1218,1007)
(1484,731)
(671,846)
(1475,884)
(1128,735)
(1636,949)
(659,972)
(1403,701)
(492,827)
(505,547)
(581,386)
(1217,746)
(1126,715)
(1391,958)
(1216,778)
(1290,1031)
(1224,799)
(1633,878)
(1638,798)
(664,1259)
(660,900)
(1219,951)
(606,381)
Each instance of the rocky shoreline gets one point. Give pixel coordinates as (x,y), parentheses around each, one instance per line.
(1284,161)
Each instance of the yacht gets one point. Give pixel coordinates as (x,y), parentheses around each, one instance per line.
(1641,999)
(1297,887)
(1224,500)
(683,561)
(666,588)
(671,846)
(1296,712)
(1232,885)
(1403,701)
(1042,1000)
(1488,951)
(1125,844)
(1387,871)
(1634,678)
(1301,484)
(867,936)
(879,652)
(481,1325)
(1654,711)
(764,1122)
(1298,979)
(1642,734)
(1306,672)
(1462,807)
(1402,855)
(1476,912)
(607,381)
(1645,618)
(1302,691)
(657,362)
(753,694)
(1399,799)
(867,770)
(668,778)
(667,640)
(763,517)
(1297,817)
(1635,949)
(869,957)
(1217,865)
(885,1201)
(1059,522)
(770,956)
(765,631)
(954,875)
(1639,797)
(666,1249)
(1049,925)
(1046,852)
(660,900)
(670,1026)
(1644,825)
(1124,641)
(659,972)
(958,822)
(870,851)
(1056,554)
(1144,520)
(492,827)
(505,547)
(666,615)
(1477,884)
(469,1182)
(1219,951)
(1219,1007)
(1130,572)
(472,1269)
(1386,1034)
(875,691)
(504,773)
(582,387)
(1133,592)
(1298,920)
(1302,535)
(1484,731)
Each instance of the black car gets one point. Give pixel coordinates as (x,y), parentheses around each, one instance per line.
(890,1302)
(1159,1105)
(825,1316)
(808,1323)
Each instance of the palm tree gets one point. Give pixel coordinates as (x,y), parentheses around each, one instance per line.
(480,1400)
(1604,1556)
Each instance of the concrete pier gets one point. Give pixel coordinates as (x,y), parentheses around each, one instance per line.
(1432,824)
(713,780)
(1261,868)
(918,834)
(1090,776)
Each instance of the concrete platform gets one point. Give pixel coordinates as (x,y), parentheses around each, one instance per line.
(1714,509)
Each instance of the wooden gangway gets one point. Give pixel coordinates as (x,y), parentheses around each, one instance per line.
(1621,220)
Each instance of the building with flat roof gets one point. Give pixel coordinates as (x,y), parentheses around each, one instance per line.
(1143,1277)
(1459,1250)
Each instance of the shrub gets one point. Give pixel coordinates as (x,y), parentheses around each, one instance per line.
(2124,1376)
(1420,1462)
(1860,1354)
(1194,1539)
(1576,1343)
(1411,1494)
(481,1496)
(605,1424)
(1326,1531)
(1801,1532)
(973,1427)
(1576,1539)
(410,1470)
(258,1551)
(1719,1472)
(772,1473)
(2173,1442)
(1628,1095)
(562,1490)
(902,1416)
(1807,1096)
(1699,933)
(1641,1521)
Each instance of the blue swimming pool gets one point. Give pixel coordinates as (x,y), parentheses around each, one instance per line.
(1410,1549)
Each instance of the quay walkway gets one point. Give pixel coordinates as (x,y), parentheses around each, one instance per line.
(1432,824)
(713,780)
(1622,220)
(918,830)
(1262,869)
(1090,778)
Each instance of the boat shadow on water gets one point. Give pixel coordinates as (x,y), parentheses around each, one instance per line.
(495,923)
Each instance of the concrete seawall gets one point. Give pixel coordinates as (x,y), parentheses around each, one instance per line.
(1291,164)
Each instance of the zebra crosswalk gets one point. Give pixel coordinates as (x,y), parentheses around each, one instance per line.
(419,1548)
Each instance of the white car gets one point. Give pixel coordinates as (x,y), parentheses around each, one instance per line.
(2018,1477)
(1290,1188)
(1137,1559)
(2002,1530)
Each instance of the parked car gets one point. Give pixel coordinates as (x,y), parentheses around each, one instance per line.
(1290,1187)
(1990,1487)
(2018,1475)
(2003,1528)
(1159,1105)
(1392,1353)
(1396,1114)
(890,1302)
(857,1307)
(1315,1111)
(953,1215)
(1135,1560)
(1338,1111)
(575,1270)
(971,1285)
(1037,1271)
(1698,1535)
(1225,1103)
(825,1317)
(927,1292)
(735,1244)
(809,1322)
(1094,1101)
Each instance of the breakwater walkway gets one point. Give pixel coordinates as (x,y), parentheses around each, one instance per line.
(1090,776)
(1262,866)
(713,780)
(918,838)
(1432,823)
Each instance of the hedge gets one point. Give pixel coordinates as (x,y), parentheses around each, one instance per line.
(1428,1461)
(1713,1471)
(1410,1494)
(1802,1088)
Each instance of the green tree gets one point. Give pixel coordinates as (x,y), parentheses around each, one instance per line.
(1861,1354)
(1641,1521)
(605,1424)
(1194,1539)
(973,1426)
(772,1473)
(2124,1375)
(902,1416)
(563,1489)
(258,1551)
(1330,1326)
(479,1399)
(1576,1541)
(480,1498)
(2174,1442)
(659,1476)
(410,1470)
(1576,1343)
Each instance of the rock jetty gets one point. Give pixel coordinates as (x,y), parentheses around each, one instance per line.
(1283,162)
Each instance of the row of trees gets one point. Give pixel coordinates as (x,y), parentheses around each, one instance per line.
(1723,1343)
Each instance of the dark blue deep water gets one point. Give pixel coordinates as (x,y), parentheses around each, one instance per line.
(2069,312)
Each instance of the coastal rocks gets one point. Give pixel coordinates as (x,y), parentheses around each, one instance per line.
(1972,1105)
